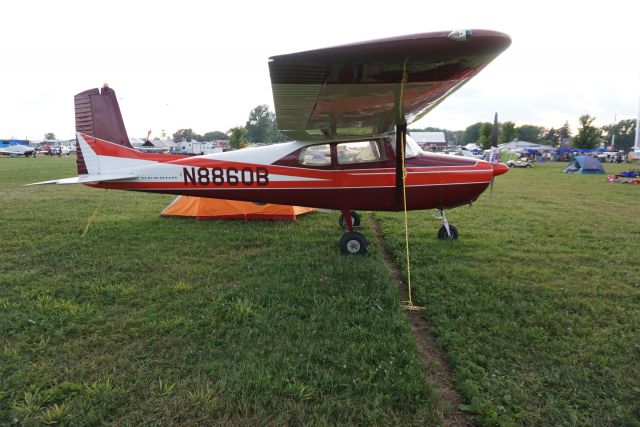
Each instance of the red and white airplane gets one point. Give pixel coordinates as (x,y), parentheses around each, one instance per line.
(347,107)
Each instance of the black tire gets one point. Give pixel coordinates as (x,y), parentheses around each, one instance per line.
(355,218)
(353,243)
(442,233)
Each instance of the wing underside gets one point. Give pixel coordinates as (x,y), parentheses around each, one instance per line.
(367,88)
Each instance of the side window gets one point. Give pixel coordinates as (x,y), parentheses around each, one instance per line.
(360,152)
(316,155)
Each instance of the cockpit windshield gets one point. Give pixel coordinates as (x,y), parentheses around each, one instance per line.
(412,148)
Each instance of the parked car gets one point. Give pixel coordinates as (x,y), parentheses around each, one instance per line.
(519,164)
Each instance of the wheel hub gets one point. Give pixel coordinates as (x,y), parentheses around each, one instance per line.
(353,246)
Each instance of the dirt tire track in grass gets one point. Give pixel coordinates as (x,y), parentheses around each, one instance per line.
(442,376)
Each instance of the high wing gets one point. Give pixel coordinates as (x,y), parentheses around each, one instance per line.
(368,88)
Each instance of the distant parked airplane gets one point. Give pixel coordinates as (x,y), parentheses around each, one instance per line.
(16,150)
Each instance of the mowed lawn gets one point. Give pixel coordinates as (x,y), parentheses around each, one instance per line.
(537,305)
(155,321)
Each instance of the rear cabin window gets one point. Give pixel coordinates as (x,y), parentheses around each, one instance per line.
(360,152)
(316,155)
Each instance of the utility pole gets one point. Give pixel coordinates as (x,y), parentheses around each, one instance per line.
(636,144)
(613,133)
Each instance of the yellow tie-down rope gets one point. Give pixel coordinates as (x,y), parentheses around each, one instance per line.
(407,305)
(93,215)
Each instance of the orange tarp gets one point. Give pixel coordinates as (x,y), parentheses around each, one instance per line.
(210,209)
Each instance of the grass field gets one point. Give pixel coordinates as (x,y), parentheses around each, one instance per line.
(155,321)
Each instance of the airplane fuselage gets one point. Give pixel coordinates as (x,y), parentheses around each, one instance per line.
(356,175)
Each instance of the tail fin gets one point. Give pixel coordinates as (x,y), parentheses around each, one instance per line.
(98,115)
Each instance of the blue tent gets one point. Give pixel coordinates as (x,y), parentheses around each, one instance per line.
(584,164)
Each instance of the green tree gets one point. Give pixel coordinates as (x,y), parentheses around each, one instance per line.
(472,133)
(564,134)
(484,141)
(237,137)
(457,136)
(565,131)
(276,135)
(260,126)
(507,132)
(215,136)
(588,136)
(50,135)
(552,137)
(625,132)
(530,133)
(184,135)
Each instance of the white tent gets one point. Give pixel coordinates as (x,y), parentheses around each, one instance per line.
(523,146)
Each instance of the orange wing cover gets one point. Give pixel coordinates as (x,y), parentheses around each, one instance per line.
(211,209)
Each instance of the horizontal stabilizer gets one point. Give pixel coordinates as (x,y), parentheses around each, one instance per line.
(84,179)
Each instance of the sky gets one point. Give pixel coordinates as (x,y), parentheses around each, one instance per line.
(203,65)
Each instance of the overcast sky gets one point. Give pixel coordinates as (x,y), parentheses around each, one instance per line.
(203,65)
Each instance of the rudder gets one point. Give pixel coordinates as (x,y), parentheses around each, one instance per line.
(98,115)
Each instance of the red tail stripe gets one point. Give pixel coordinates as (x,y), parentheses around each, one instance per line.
(106,148)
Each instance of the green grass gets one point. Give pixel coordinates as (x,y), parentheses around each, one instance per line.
(155,321)
(537,305)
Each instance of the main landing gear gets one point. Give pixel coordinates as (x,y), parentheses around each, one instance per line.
(352,242)
(447,231)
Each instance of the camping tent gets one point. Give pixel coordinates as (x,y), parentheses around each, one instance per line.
(210,209)
(584,164)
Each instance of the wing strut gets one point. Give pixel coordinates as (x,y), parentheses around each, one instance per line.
(401,137)
(401,199)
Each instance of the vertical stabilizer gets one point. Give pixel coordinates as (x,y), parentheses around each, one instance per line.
(98,115)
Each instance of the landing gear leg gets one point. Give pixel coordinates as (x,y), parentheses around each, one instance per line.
(355,219)
(447,231)
(352,242)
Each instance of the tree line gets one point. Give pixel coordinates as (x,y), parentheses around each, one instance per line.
(260,128)
(587,136)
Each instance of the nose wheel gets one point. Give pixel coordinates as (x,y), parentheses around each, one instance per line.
(447,231)
(452,234)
